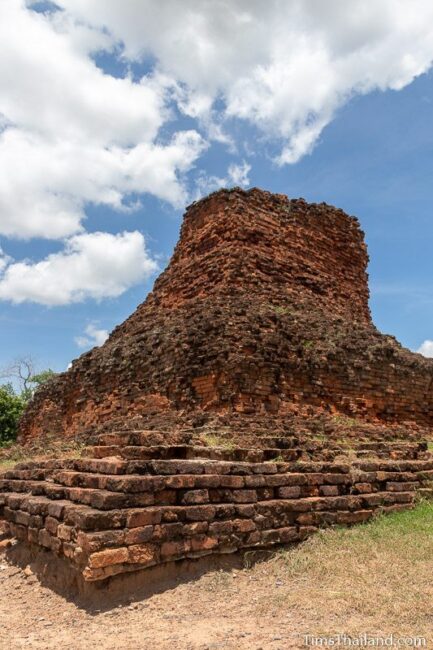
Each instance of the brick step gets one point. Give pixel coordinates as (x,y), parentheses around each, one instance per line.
(426,492)
(105,492)
(278,512)
(139,444)
(35,487)
(147,438)
(120,516)
(153,438)
(96,498)
(140,452)
(120,466)
(250,454)
(204,484)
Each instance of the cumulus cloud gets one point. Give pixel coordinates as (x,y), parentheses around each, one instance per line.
(237,176)
(4,260)
(46,196)
(285,67)
(426,349)
(92,265)
(73,134)
(93,336)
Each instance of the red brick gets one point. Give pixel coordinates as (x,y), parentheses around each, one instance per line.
(51,524)
(244,496)
(200,513)
(329,490)
(195,497)
(243,525)
(145,554)
(143,517)
(195,528)
(171,550)
(203,543)
(138,535)
(108,557)
(289,492)
(354,517)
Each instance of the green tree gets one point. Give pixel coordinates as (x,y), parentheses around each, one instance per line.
(11,407)
(22,372)
(42,377)
(35,381)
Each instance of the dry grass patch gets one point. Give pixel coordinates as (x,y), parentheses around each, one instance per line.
(214,440)
(373,578)
(40,449)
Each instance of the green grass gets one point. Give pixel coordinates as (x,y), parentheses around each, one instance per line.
(373,578)
(345,421)
(213,440)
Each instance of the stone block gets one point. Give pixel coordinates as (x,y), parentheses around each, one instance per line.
(108,556)
(138,535)
(143,517)
(196,497)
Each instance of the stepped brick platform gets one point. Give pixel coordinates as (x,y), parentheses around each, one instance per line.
(111,516)
(246,403)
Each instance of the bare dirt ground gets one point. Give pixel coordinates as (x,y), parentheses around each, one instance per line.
(374,579)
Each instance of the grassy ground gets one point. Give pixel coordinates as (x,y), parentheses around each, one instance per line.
(375,577)
(40,448)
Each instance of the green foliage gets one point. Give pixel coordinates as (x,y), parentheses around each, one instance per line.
(345,420)
(12,404)
(281,310)
(11,407)
(34,381)
(42,377)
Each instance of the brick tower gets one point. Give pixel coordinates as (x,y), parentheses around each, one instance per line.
(261,312)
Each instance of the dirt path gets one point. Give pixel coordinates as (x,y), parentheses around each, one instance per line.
(374,579)
(215,612)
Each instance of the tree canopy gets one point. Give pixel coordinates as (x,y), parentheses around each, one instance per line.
(22,374)
(11,408)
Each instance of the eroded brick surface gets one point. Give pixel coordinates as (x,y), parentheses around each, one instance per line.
(261,316)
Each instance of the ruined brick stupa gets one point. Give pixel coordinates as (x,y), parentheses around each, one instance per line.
(261,316)
(246,403)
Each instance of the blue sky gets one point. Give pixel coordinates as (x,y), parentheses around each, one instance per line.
(371,154)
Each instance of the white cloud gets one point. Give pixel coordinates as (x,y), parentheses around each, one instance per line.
(46,196)
(93,336)
(237,176)
(283,66)
(90,137)
(426,349)
(73,135)
(92,265)
(4,260)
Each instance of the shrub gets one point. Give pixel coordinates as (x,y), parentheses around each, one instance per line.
(11,407)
